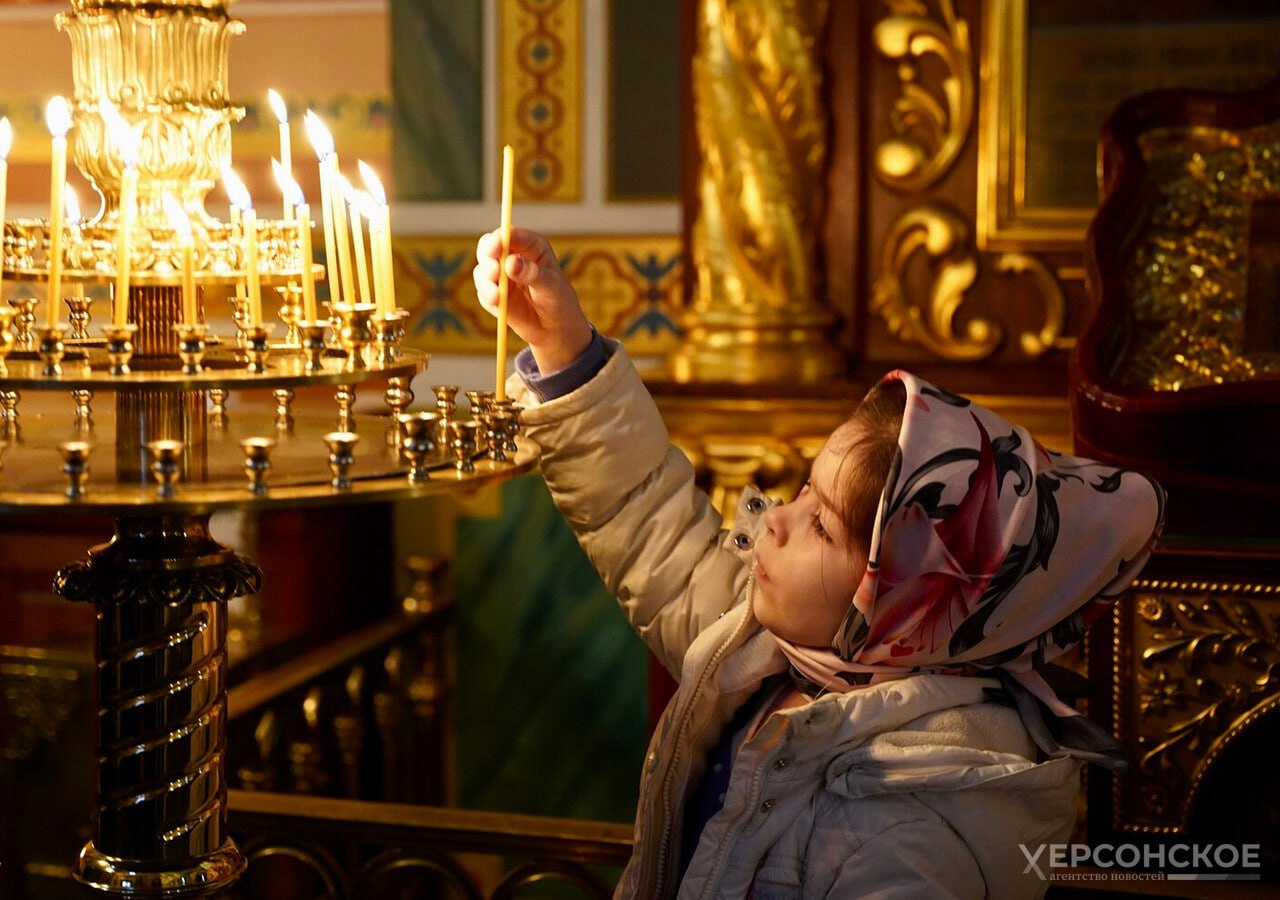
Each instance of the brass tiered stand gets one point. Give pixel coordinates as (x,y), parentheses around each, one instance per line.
(199,422)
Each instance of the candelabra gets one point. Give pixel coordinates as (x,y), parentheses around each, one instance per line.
(158,459)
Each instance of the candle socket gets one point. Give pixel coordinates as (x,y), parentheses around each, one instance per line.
(120,346)
(24,321)
(240,318)
(218,407)
(290,313)
(341,458)
(481,402)
(51,350)
(284,408)
(498,422)
(78,317)
(7,336)
(10,430)
(313,345)
(418,442)
(398,396)
(191,346)
(346,397)
(388,332)
(75,465)
(511,421)
(84,411)
(166,464)
(257,462)
(355,333)
(462,439)
(256,347)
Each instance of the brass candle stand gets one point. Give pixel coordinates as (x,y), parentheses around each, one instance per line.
(197,420)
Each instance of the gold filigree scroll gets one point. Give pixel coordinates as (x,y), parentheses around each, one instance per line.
(761,128)
(928,133)
(944,236)
(1037,343)
(1210,655)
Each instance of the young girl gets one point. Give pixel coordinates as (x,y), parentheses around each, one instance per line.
(861,711)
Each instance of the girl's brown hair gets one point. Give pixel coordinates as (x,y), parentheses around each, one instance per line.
(868,459)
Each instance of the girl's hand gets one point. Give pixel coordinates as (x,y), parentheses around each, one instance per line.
(542,307)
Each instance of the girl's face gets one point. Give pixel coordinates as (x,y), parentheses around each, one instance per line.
(806,566)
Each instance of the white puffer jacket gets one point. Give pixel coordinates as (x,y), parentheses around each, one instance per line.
(915,788)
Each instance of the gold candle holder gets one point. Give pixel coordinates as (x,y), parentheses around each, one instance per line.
(313,344)
(462,439)
(166,464)
(83,400)
(191,346)
(78,317)
(75,465)
(9,405)
(481,401)
(346,397)
(388,332)
(256,347)
(290,313)
(284,408)
(120,346)
(497,422)
(240,318)
(511,419)
(257,462)
(24,321)
(397,396)
(218,406)
(341,445)
(355,333)
(7,337)
(51,350)
(418,442)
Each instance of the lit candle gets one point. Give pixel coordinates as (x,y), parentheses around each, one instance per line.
(181,225)
(504,285)
(295,196)
(357,237)
(368,210)
(6,144)
(57,116)
(286,145)
(322,142)
(382,261)
(127,140)
(238,194)
(236,190)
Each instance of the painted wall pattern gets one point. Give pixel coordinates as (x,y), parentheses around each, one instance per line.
(540,96)
(630,287)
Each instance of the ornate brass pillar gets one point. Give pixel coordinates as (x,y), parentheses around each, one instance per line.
(160,589)
(757,314)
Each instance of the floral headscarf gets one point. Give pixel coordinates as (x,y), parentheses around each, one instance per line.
(989,552)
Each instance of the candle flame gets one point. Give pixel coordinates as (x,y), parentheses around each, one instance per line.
(121,132)
(177,217)
(373,183)
(57,115)
(276,102)
(365,204)
(6,138)
(318,134)
(72,205)
(237,193)
(291,189)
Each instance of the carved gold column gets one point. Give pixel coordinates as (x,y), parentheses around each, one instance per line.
(758,313)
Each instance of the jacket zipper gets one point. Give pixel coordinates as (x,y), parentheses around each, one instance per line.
(664,841)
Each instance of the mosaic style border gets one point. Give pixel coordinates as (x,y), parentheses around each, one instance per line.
(630,287)
(540,96)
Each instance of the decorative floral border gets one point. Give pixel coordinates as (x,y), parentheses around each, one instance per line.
(630,287)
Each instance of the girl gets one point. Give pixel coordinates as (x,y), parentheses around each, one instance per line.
(861,711)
